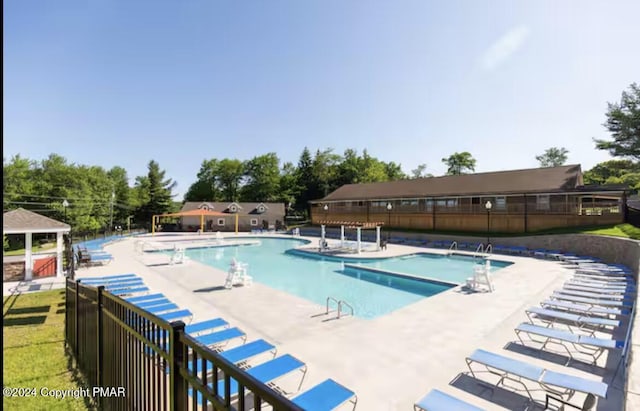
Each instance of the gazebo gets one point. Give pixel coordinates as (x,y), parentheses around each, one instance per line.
(359,226)
(191,213)
(27,222)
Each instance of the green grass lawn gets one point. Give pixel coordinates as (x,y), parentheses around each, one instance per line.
(34,249)
(33,350)
(620,230)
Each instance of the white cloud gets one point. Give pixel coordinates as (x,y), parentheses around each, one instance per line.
(504,47)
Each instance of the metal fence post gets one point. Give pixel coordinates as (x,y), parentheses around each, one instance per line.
(75,342)
(178,388)
(99,325)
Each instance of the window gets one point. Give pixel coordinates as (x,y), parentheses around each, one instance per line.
(254,221)
(429,203)
(542,202)
(452,202)
(260,209)
(475,200)
(378,204)
(441,203)
(409,202)
(204,207)
(501,203)
(221,221)
(233,208)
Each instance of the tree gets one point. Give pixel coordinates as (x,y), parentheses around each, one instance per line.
(155,192)
(459,163)
(553,157)
(614,172)
(229,176)
(263,178)
(623,122)
(419,172)
(305,180)
(394,171)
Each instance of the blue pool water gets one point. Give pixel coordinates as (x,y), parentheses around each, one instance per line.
(371,294)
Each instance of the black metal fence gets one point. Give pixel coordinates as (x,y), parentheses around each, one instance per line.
(140,362)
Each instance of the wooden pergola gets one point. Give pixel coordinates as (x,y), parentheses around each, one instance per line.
(358,225)
(191,213)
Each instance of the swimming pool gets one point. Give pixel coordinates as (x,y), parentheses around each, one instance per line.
(371,294)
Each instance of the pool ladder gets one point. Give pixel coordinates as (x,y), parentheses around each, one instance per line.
(339,304)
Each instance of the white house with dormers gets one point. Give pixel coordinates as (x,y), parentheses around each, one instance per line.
(251,216)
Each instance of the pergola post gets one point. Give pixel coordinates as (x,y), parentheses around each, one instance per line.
(377,238)
(28,257)
(59,244)
(342,236)
(359,237)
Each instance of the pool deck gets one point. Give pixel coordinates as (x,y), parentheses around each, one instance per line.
(391,361)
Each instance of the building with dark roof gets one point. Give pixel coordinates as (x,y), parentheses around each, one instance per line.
(512,201)
(250,216)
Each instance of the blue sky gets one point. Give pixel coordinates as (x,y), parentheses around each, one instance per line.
(123,82)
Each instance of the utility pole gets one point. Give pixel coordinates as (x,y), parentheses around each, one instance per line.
(113,196)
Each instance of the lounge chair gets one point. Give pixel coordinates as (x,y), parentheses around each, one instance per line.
(587,309)
(129,291)
(148,297)
(107,279)
(127,284)
(153,303)
(162,308)
(240,354)
(597,294)
(615,281)
(267,372)
(584,344)
(176,315)
(204,326)
(509,369)
(123,287)
(604,302)
(216,339)
(604,288)
(326,396)
(583,322)
(437,400)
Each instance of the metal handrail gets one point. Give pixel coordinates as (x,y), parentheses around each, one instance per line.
(337,304)
(480,248)
(340,304)
(489,249)
(453,246)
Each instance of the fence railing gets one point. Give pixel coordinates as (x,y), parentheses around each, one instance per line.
(155,364)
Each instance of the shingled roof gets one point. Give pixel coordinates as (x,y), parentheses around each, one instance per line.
(22,221)
(533,180)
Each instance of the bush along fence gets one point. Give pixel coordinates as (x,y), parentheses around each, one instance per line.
(138,361)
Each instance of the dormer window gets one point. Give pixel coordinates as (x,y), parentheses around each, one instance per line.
(261,209)
(233,208)
(204,207)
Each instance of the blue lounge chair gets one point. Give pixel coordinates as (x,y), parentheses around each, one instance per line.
(598,294)
(176,315)
(108,277)
(586,309)
(603,288)
(147,297)
(217,338)
(162,308)
(587,345)
(207,325)
(119,288)
(249,350)
(437,400)
(153,303)
(604,302)
(128,291)
(268,372)
(550,317)
(240,354)
(326,396)
(509,369)
(129,284)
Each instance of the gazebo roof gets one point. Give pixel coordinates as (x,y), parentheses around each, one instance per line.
(21,221)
